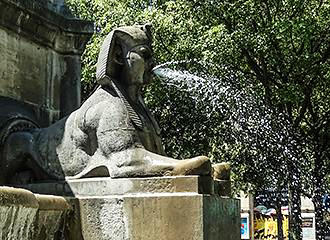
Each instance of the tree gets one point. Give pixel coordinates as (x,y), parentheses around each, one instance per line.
(284,46)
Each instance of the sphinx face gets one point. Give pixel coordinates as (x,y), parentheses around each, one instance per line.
(139,64)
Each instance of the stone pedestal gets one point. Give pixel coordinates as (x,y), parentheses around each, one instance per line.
(167,208)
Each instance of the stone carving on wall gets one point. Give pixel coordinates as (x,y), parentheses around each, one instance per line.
(113,134)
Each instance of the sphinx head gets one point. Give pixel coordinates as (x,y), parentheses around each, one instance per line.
(126,56)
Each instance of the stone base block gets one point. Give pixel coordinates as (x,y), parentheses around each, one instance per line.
(160,216)
(105,186)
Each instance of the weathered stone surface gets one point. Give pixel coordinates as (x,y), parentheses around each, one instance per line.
(221,175)
(222,219)
(221,171)
(121,186)
(163,216)
(31,217)
(102,218)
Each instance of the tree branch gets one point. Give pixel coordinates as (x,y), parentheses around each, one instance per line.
(303,108)
(259,73)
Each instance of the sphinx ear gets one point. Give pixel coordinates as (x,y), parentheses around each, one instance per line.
(147,28)
(118,57)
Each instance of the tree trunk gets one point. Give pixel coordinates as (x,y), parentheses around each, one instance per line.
(318,195)
(279,216)
(321,152)
(295,232)
(319,217)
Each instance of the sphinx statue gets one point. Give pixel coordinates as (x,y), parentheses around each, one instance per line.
(113,134)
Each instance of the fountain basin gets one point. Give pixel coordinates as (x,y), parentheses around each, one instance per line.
(25,215)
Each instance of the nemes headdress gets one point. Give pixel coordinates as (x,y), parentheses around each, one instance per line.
(131,36)
(128,35)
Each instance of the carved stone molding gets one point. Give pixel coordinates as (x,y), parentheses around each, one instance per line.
(40,23)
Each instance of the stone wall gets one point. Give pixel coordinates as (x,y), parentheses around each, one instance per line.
(40,56)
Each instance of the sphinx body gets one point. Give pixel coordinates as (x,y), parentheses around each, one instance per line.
(90,139)
(112,134)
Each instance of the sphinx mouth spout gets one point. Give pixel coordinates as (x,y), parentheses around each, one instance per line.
(155,68)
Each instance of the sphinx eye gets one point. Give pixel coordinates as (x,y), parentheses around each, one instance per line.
(145,53)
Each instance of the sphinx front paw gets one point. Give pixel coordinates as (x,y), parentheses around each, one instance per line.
(195,166)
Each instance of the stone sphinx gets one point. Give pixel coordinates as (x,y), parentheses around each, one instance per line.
(112,134)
